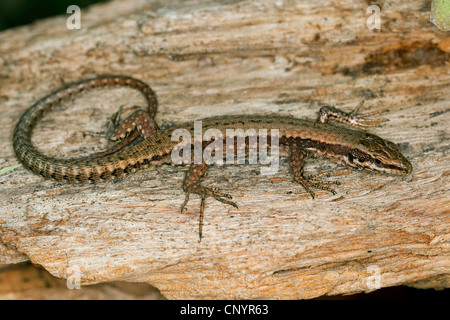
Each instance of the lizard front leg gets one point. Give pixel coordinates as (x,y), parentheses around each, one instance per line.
(192,184)
(296,161)
(352,118)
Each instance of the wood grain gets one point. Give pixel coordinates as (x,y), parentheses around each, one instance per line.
(207,58)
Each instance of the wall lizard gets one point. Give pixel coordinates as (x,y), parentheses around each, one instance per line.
(355,149)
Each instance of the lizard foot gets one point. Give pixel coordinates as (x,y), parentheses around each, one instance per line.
(312,182)
(205,192)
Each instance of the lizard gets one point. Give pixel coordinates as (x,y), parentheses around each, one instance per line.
(142,145)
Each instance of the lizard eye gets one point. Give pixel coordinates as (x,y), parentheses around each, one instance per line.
(377,163)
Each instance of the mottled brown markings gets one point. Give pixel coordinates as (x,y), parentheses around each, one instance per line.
(340,144)
(32,159)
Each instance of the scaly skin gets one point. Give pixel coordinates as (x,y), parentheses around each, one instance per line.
(352,148)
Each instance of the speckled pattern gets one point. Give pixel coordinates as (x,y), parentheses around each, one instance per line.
(352,148)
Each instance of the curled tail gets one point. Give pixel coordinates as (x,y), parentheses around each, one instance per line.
(71,170)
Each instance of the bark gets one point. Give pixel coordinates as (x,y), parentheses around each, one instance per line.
(207,58)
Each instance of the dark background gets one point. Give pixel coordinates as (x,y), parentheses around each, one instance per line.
(21,12)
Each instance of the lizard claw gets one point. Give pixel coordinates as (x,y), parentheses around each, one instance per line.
(312,182)
(353,117)
(204,192)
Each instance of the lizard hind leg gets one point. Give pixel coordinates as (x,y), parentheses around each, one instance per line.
(138,124)
(296,162)
(139,121)
(192,184)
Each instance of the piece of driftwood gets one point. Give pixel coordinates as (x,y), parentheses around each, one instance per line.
(207,58)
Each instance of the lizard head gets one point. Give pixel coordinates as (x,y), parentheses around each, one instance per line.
(376,154)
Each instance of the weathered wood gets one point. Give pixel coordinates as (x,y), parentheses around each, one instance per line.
(208,58)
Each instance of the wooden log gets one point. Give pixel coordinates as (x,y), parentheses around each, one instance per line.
(207,58)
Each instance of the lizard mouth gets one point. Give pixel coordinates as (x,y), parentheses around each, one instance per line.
(399,167)
(403,168)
